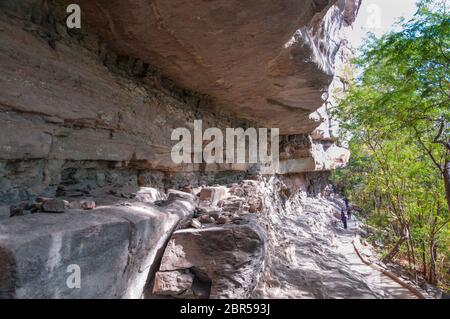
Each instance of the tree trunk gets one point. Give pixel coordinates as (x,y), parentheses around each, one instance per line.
(424,260)
(413,254)
(409,258)
(394,251)
(446,175)
(433,266)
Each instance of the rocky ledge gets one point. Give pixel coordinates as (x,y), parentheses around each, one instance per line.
(265,238)
(266,60)
(86,118)
(114,245)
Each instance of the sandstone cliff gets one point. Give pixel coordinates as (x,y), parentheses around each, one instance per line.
(86,117)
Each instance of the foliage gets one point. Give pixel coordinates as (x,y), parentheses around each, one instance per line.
(397,112)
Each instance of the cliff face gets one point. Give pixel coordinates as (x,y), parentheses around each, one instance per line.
(265,60)
(115,90)
(84,113)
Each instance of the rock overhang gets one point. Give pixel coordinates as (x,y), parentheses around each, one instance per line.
(268,61)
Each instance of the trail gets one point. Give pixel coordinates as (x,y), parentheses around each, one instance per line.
(312,256)
(374,278)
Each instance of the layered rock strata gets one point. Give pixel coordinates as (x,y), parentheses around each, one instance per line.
(86,118)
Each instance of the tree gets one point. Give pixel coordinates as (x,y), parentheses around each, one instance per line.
(397,111)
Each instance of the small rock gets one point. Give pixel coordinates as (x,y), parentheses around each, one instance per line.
(83,204)
(196,223)
(240,221)
(213,194)
(112,192)
(149,195)
(255,207)
(187,189)
(184,224)
(179,195)
(214,215)
(159,202)
(36,207)
(222,220)
(60,191)
(19,210)
(41,199)
(88,204)
(75,205)
(206,219)
(206,194)
(199,212)
(55,205)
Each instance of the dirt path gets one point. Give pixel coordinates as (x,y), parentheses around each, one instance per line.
(375,279)
(311,256)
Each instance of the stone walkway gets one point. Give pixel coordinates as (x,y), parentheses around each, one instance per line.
(375,279)
(312,256)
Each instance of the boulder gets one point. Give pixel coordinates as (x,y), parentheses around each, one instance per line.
(195,223)
(37,250)
(228,260)
(222,220)
(172,282)
(173,194)
(213,194)
(114,248)
(206,219)
(55,205)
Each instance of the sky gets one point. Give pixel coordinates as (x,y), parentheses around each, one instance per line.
(379,17)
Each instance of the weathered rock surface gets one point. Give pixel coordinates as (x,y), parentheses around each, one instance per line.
(51,78)
(84,112)
(227,260)
(288,248)
(56,126)
(115,248)
(219,50)
(213,194)
(4,211)
(309,253)
(173,283)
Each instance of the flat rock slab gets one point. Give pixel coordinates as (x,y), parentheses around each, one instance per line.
(229,259)
(114,247)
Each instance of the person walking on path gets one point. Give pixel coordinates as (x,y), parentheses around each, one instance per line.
(344,219)
(347,209)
